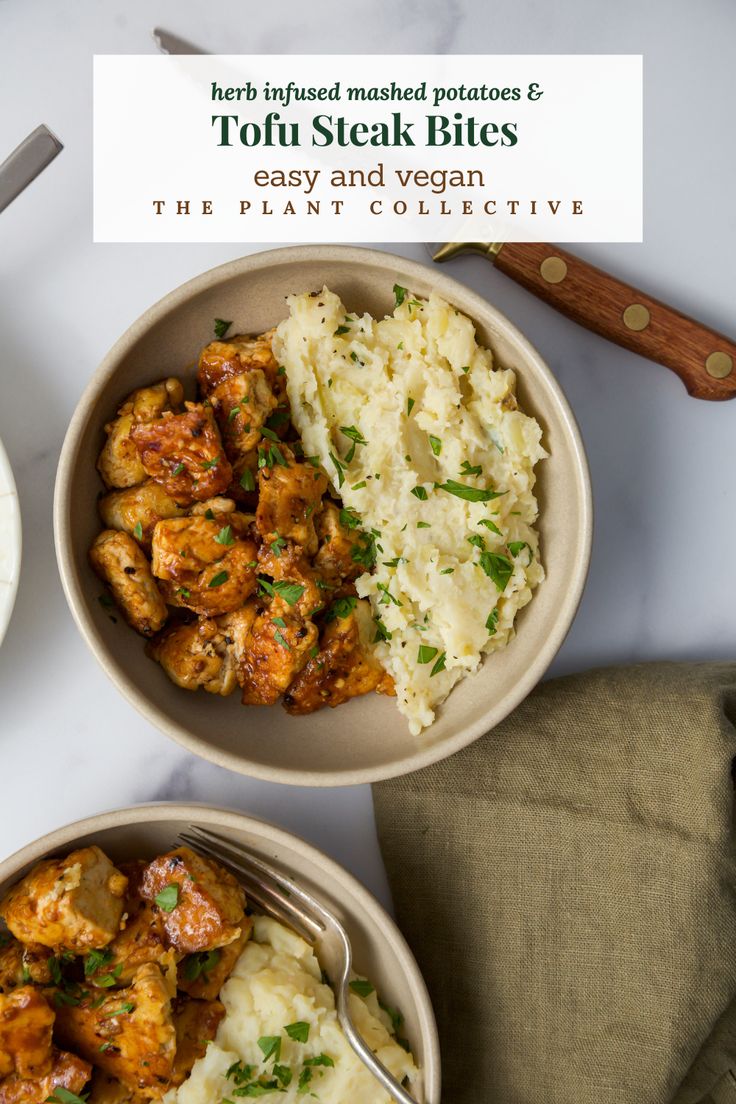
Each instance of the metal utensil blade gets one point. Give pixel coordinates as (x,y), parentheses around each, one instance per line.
(26,162)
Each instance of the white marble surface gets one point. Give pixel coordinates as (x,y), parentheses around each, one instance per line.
(661,583)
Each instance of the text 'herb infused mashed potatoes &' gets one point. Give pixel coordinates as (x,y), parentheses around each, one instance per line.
(424,443)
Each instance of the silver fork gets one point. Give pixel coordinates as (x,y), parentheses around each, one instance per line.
(284,900)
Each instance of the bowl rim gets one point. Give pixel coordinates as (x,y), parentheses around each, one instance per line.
(423,755)
(15,539)
(335,874)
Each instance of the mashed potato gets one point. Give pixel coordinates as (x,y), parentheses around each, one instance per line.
(277,984)
(422,438)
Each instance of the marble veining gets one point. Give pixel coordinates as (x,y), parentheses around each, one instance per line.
(661,578)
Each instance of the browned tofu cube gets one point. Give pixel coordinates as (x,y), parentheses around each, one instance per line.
(334,559)
(141,939)
(119,463)
(26,1021)
(119,561)
(184,453)
(21,963)
(196,1023)
(242,404)
(208,565)
(128,1033)
(221,360)
(278,648)
(203,975)
(289,495)
(202,903)
(67,1072)
(136,510)
(74,903)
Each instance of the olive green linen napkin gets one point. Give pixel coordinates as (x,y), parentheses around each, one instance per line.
(568,885)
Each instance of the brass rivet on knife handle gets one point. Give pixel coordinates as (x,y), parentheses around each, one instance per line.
(719,365)
(553,270)
(636,317)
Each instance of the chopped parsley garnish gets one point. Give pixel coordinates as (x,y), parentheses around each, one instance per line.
(395,561)
(470,494)
(447,571)
(400,345)
(387,596)
(207,465)
(382,632)
(221,327)
(184,592)
(106,981)
(281,371)
(515,547)
(209,515)
(138,531)
(491,525)
(271,1047)
(225,536)
(283,1073)
(314,650)
(353,434)
(470,469)
(200,963)
(340,468)
(497,567)
(279,638)
(409,405)
(278,621)
(247,480)
(492,621)
(279,417)
(269,433)
(341,330)
(426,653)
(435,444)
(319,1060)
(365,552)
(359,486)
(439,665)
(465,368)
(298,1031)
(178,469)
(218,579)
(304,1078)
(361,987)
(60,1095)
(128,1006)
(233,414)
(341,607)
(476,540)
(400,294)
(420,493)
(350,519)
(277,545)
(95,960)
(423,525)
(168,898)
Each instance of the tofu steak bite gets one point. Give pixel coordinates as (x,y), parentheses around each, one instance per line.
(204,904)
(141,939)
(184,453)
(73,904)
(205,653)
(119,561)
(135,510)
(206,564)
(221,360)
(119,463)
(68,1071)
(26,1021)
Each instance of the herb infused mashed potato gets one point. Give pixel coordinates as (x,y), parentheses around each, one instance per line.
(280,1032)
(423,440)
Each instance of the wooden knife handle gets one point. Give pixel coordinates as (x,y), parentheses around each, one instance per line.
(704,360)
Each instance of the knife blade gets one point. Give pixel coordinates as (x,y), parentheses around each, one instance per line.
(704,360)
(27,160)
(172,44)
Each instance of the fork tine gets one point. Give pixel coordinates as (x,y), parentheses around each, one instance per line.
(268,896)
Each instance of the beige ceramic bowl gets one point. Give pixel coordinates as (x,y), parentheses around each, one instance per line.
(366,739)
(379,950)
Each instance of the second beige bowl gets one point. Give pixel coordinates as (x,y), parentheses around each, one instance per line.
(367,739)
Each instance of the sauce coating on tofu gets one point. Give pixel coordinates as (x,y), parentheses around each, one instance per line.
(26,1021)
(203,904)
(184,453)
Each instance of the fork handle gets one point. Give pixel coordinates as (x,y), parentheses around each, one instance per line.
(704,360)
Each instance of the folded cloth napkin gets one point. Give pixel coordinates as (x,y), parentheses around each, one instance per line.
(568,885)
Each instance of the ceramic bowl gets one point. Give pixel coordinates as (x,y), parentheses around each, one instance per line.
(379,950)
(366,739)
(10,542)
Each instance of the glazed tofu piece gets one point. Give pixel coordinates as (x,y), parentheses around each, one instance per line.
(334,559)
(141,939)
(67,1071)
(242,405)
(120,562)
(208,565)
(21,963)
(344,667)
(184,453)
(288,497)
(26,1022)
(218,505)
(136,510)
(294,580)
(104,1089)
(196,1023)
(119,463)
(203,975)
(221,360)
(73,904)
(203,904)
(279,647)
(195,655)
(128,1033)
